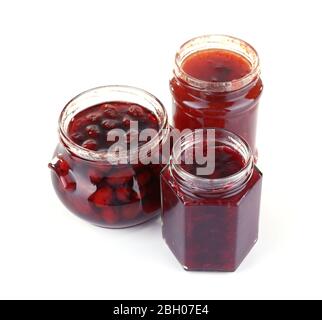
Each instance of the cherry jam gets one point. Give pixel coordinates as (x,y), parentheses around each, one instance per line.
(95,188)
(216,65)
(210,223)
(90,127)
(226,163)
(217,83)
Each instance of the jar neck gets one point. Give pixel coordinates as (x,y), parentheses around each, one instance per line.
(108,94)
(212,188)
(220,42)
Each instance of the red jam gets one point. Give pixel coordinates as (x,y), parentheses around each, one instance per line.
(217,86)
(227,162)
(216,65)
(107,194)
(90,127)
(210,223)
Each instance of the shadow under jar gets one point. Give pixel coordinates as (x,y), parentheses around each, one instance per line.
(217,83)
(110,188)
(210,223)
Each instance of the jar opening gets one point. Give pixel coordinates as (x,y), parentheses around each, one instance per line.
(217,42)
(107,94)
(225,180)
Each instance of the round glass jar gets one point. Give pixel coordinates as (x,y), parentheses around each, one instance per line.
(104,188)
(211,223)
(216,83)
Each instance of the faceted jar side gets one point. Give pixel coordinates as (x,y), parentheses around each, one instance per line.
(173,216)
(210,234)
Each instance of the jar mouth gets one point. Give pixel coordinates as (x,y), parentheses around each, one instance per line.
(230,184)
(223,42)
(106,94)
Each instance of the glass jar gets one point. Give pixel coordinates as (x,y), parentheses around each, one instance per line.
(217,83)
(211,224)
(99,188)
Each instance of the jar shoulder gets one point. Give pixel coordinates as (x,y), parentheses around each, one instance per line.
(196,199)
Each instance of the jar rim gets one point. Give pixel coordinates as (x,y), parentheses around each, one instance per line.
(227,185)
(91,155)
(217,41)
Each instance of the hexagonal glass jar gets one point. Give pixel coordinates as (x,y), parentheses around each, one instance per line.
(94,187)
(211,224)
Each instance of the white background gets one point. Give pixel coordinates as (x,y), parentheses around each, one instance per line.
(52,50)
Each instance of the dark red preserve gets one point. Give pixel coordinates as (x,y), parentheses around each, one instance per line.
(210,222)
(90,127)
(107,188)
(217,83)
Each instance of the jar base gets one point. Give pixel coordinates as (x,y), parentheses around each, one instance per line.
(154,217)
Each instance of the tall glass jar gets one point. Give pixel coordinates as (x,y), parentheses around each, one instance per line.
(108,192)
(211,223)
(223,102)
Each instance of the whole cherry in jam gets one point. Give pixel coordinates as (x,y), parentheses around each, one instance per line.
(90,127)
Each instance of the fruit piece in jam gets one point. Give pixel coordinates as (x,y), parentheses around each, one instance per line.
(90,127)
